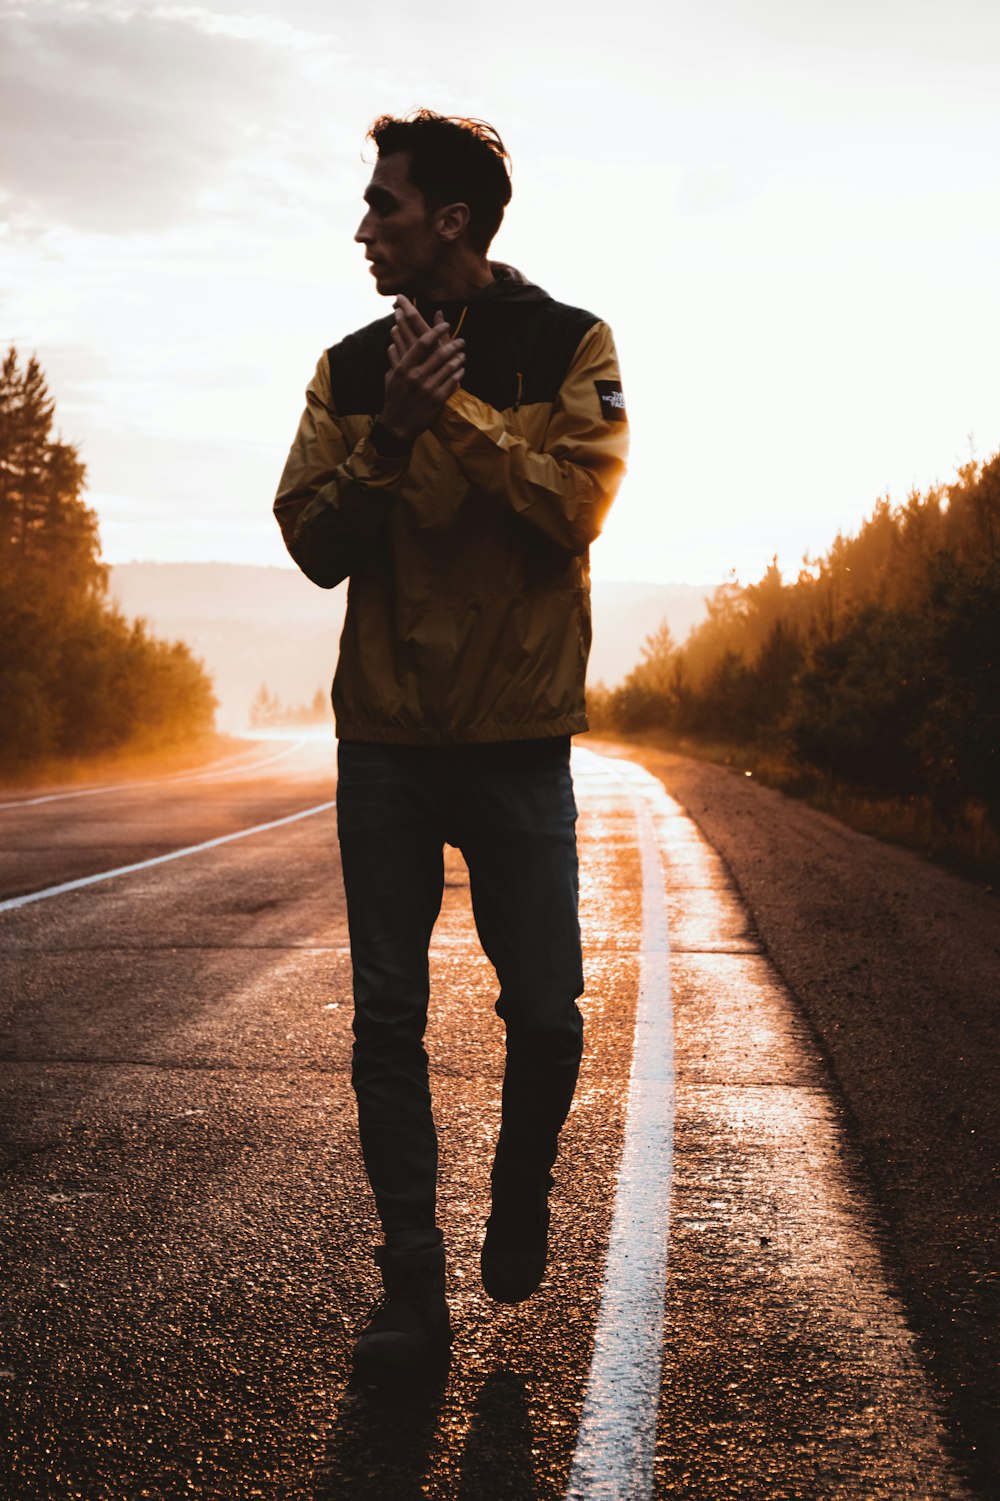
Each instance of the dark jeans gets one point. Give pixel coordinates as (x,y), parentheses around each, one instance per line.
(510,809)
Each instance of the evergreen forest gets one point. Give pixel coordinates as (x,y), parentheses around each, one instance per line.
(76,678)
(876,670)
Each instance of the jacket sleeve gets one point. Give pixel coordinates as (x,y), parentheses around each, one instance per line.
(332,500)
(566,488)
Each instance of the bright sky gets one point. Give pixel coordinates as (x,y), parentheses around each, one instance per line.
(788,211)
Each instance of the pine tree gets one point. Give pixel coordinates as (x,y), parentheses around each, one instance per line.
(46,530)
(75,676)
(265,709)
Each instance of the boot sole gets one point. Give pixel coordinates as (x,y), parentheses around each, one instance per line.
(512,1276)
(386,1363)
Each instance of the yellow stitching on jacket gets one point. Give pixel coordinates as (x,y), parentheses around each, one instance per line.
(458,325)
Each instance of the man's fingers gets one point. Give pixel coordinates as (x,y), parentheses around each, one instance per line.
(411,324)
(446,389)
(414,327)
(439,354)
(409,372)
(453,355)
(413,319)
(402,335)
(419,364)
(432,337)
(418,351)
(444,383)
(426,365)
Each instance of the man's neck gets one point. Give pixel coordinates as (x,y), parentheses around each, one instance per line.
(459,279)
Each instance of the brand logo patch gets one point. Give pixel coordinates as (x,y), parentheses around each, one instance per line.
(612,400)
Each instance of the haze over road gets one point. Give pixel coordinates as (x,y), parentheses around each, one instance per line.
(187,1227)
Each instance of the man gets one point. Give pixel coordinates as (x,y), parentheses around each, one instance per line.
(456,460)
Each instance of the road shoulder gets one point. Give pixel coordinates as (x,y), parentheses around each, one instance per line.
(894,965)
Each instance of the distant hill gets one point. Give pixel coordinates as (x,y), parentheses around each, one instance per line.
(271,626)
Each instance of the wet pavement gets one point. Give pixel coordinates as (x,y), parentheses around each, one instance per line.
(894,966)
(783,1338)
(187,1229)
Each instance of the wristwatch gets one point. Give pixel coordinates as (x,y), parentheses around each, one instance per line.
(386,443)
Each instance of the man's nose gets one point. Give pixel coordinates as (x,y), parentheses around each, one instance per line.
(363,233)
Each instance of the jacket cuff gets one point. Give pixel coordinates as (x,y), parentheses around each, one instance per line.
(464,417)
(368,467)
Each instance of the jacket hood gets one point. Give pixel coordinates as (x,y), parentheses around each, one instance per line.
(508,285)
(511,285)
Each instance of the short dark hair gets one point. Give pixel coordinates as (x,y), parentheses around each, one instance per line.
(452,160)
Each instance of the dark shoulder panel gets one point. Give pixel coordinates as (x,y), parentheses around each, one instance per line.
(518,352)
(357,369)
(555,343)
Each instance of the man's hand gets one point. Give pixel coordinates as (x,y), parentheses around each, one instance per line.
(425,366)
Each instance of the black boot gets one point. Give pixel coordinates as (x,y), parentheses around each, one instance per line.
(409,1330)
(517,1236)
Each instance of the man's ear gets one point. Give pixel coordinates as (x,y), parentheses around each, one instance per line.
(452,220)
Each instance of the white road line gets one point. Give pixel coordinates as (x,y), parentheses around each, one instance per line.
(616,1442)
(12,903)
(229,767)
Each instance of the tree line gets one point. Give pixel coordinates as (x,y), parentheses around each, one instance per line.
(268,710)
(878,667)
(76,677)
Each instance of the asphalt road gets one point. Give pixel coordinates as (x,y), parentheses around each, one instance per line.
(187,1232)
(894,968)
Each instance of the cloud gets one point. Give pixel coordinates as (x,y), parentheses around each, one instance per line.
(124,117)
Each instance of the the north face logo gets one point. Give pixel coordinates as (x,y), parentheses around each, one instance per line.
(612,400)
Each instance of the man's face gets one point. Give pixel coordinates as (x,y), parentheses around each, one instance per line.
(400,241)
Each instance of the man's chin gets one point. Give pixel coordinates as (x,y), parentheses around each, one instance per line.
(386,284)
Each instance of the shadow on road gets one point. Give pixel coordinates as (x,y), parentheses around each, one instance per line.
(497,1463)
(381,1442)
(383,1439)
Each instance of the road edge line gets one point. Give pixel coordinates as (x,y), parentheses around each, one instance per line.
(14,902)
(616,1439)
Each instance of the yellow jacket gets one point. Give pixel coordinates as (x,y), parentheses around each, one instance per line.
(468,609)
